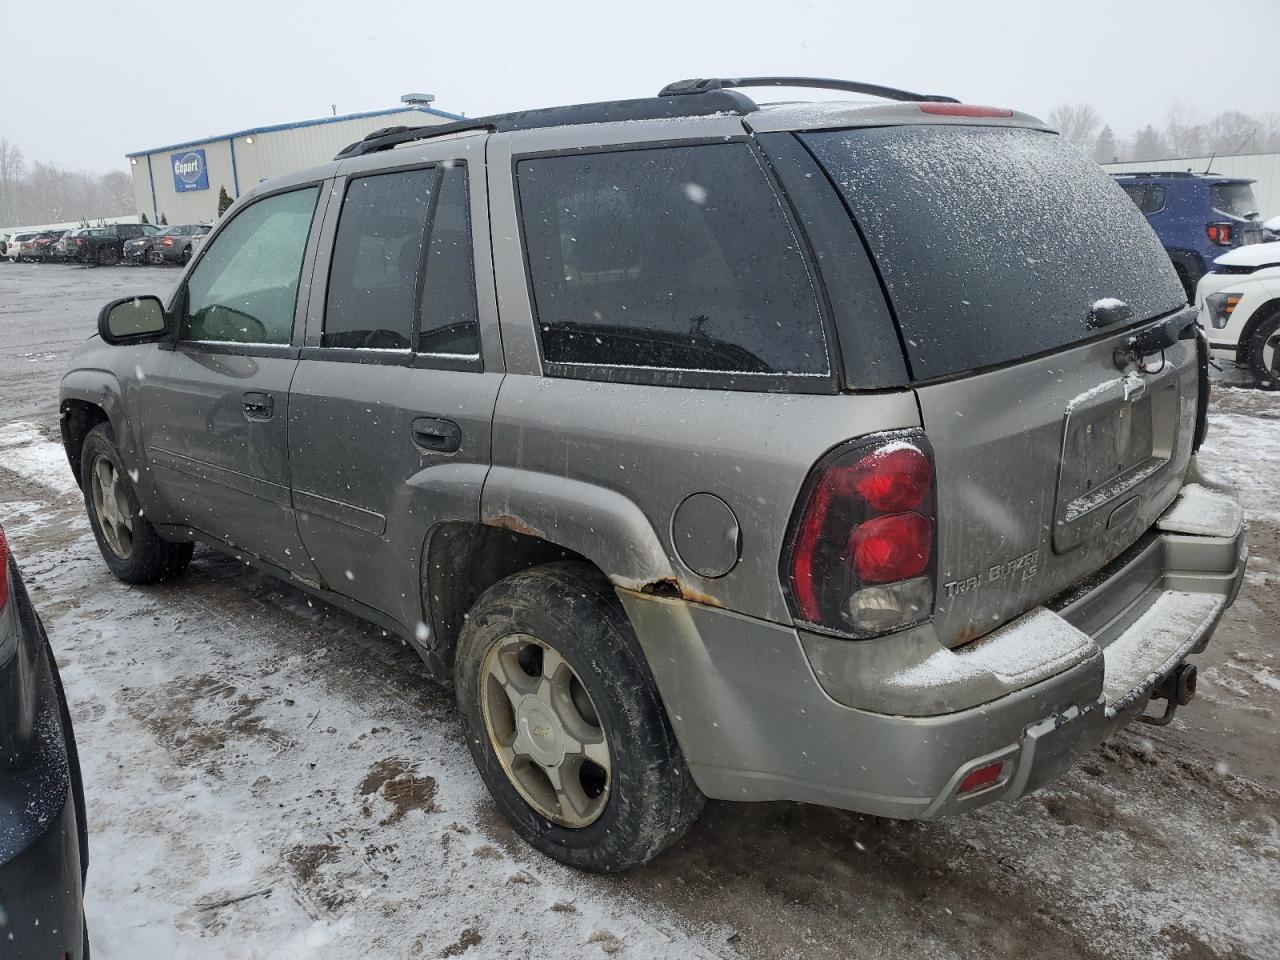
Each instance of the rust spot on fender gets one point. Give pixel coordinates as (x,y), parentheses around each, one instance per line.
(508,522)
(669,587)
(967,635)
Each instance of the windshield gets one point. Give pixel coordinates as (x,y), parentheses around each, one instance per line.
(1235,200)
(993,243)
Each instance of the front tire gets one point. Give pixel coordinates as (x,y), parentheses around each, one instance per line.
(565,724)
(1262,353)
(130,545)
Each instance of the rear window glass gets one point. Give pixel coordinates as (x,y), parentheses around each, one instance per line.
(1235,199)
(993,243)
(672,258)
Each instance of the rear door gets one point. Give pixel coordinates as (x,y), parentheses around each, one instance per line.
(215,403)
(1016,269)
(391,408)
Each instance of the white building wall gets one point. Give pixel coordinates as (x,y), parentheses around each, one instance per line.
(257,155)
(1261,167)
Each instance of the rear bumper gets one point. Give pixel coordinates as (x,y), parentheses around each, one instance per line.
(892,727)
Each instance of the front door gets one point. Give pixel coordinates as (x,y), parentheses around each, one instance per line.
(216,404)
(391,407)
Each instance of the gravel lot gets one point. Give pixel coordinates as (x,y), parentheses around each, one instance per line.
(243,741)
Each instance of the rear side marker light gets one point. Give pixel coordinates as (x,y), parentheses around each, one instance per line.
(861,556)
(980,778)
(963,110)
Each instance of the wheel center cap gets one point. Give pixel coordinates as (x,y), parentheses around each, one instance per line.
(541,731)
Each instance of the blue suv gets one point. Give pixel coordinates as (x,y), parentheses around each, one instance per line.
(1197,216)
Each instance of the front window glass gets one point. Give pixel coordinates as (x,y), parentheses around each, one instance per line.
(674,257)
(245,287)
(373,281)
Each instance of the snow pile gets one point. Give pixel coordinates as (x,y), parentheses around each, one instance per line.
(24,450)
(1202,512)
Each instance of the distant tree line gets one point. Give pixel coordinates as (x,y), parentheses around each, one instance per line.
(1181,135)
(46,193)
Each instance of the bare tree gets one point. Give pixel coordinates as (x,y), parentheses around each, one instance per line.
(12,172)
(1149,144)
(1077,122)
(1104,148)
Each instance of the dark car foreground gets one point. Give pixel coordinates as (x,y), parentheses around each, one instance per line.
(43,840)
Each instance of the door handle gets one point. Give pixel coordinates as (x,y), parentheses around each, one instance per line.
(436,435)
(258,406)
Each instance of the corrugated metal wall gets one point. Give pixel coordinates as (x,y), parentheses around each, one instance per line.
(239,163)
(1262,167)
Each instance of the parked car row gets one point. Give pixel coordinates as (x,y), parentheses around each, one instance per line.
(1197,216)
(171,245)
(106,245)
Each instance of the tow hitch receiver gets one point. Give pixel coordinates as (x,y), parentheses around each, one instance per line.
(1176,690)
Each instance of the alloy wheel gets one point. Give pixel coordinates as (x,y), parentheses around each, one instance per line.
(111,504)
(545,730)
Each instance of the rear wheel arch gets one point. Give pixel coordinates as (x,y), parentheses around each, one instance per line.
(460,561)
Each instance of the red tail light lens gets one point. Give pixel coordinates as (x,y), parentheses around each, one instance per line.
(4,570)
(168,241)
(895,547)
(861,560)
(1219,233)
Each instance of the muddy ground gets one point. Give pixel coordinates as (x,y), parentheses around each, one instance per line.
(268,776)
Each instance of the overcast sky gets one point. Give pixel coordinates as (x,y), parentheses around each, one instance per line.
(87,82)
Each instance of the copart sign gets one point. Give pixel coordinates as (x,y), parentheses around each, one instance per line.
(190,171)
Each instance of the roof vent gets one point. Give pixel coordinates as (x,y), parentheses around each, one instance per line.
(418,99)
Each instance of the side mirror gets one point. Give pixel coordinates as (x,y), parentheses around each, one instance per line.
(132,320)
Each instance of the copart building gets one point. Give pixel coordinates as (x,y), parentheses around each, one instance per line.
(181,182)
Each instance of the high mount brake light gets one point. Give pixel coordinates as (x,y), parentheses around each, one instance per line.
(963,110)
(861,554)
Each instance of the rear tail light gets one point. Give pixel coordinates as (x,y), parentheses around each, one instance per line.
(1219,233)
(4,570)
(861,553)
(168,241)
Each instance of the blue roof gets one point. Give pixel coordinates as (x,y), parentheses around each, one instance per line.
(294,126)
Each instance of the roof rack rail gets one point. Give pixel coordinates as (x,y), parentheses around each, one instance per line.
(686,87)
(389,137)
(610,111)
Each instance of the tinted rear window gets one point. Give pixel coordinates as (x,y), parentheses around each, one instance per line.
(993,243)
(1235,199)
(675,258)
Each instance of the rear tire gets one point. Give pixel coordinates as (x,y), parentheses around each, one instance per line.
(130,545)
(1262,353)
(612,815)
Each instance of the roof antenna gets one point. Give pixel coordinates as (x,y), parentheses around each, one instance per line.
(1209,165)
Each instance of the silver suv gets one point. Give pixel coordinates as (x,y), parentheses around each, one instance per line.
(835,452)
